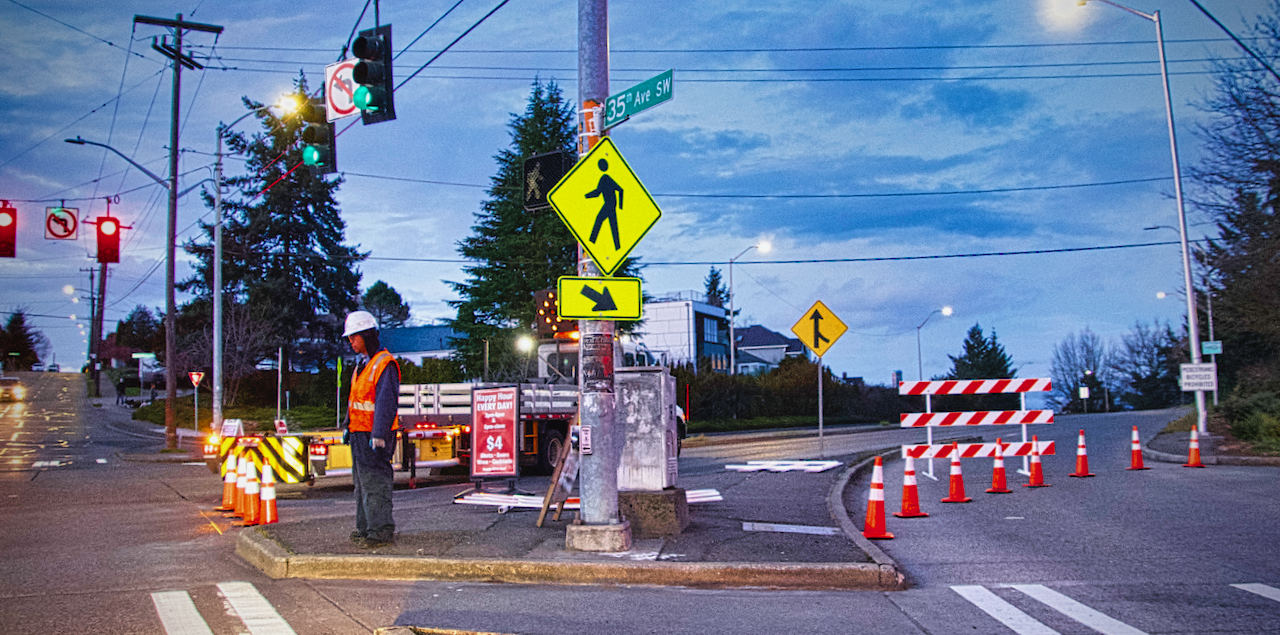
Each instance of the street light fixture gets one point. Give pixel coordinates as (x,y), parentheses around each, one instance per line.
(1193,327)
(946,312)
(765,247)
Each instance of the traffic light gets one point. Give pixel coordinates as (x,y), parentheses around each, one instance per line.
(547,321)
(8,230)
(375,92)
(108,239)
(320,147)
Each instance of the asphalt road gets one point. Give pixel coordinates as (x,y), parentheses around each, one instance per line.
(130,547)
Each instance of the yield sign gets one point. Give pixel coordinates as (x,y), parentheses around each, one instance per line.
(196,377)
(339,90)
(605,206)
(599,298)
(60,223)
(819,328)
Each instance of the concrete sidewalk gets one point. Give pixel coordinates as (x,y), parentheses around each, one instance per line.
(441,540)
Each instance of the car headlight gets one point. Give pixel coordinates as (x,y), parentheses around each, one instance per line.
(19,392)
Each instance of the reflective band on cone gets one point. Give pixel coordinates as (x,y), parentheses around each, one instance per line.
(269,514)
(252,497)
(875,526)
(242,472)
(998,484)
(1037,472)
(1082,459)
(910,495)
(1193,455)
(1135,460)
(229,469)
(956,493)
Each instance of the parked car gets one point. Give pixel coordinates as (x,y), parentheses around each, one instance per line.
(53,368)
(37,367)
(11,389)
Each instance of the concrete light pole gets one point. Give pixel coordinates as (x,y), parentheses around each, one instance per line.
(946,311)
(764,246)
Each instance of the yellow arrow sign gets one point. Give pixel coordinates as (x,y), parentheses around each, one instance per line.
(819,328)
(605,206)
(599,298)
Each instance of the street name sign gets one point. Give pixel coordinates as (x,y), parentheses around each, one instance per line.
(1211,348)
(1199,377)
(599,298)
(605,206)
(814,333)
(61,223)
(647,94)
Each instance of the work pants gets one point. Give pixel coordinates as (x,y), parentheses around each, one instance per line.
(372,475)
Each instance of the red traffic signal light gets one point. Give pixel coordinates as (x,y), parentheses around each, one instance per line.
(8,231)
(108,239)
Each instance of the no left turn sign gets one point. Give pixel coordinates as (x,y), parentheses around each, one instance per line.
(61,223)
(339,90)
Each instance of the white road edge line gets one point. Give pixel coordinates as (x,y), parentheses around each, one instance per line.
(791,529)
(1269,592)
(1097,621)
(1006,613)
(257,614)
(178,614)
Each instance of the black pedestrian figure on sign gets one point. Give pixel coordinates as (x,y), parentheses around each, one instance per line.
(612,193)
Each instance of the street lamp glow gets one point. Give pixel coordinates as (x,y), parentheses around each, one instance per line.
(69,290)
(524,343)
(1160,295)
(765,246)
(946,311)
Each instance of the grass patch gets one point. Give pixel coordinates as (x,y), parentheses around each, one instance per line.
(767,423)
(255,419)
(1182,424)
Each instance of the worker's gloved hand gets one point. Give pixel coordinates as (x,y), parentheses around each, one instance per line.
(377,443)
(346,437)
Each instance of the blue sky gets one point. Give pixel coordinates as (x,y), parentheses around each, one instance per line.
(887,110)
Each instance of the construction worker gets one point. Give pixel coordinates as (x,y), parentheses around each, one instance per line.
(371,430)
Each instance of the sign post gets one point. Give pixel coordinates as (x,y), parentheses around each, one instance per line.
(819,338)
(196,376)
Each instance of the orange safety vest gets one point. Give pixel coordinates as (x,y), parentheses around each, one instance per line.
(364,392)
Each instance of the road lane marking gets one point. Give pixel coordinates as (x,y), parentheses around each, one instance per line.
(1269,592)
(15,436)
(103,461)
(1097,621)
(254,610)
(1005,613)
(791,529)
(178,614)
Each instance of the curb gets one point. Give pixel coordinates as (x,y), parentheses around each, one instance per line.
(265,554)
(835,502)
(1251,461)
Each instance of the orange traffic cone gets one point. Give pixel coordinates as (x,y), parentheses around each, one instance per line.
(875,527)
(998,485)
(241,479)
(269,513)
(228,485)
(910,495)
(1193,456)
(1135,450)
(252,497)
(1082,459)
(1037,472)
(956,494)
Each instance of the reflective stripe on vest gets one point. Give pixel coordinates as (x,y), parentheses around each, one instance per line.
(364,391)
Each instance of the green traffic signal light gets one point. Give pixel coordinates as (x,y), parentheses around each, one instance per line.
(318,138)
(375,91)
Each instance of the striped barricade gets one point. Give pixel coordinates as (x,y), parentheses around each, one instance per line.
(930,419)
(975,450)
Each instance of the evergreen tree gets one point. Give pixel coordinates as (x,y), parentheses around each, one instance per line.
(717,293)
(983,358)
(283,242)
(516,252)
(140,330)
(386,305)
(21,345)
(1147,365)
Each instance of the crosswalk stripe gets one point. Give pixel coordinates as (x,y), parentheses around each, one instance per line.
(254,610)
(1077,611)
(1269,592)
(1006,613)
(178,614)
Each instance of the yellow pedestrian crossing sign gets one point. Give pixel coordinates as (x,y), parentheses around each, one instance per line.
(599,298)
(605,206)
(819,328)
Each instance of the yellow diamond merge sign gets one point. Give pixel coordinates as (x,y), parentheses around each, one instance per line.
(819,328)
(605,206)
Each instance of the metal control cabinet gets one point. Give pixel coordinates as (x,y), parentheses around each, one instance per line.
(646,408)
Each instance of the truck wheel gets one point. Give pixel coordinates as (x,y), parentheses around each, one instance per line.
(549,452)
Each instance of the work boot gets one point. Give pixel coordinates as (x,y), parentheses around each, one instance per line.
(357,536)
(376,540)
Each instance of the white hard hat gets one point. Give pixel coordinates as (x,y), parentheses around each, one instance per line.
(359,321)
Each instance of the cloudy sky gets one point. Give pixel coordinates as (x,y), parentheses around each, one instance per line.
(870,142)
